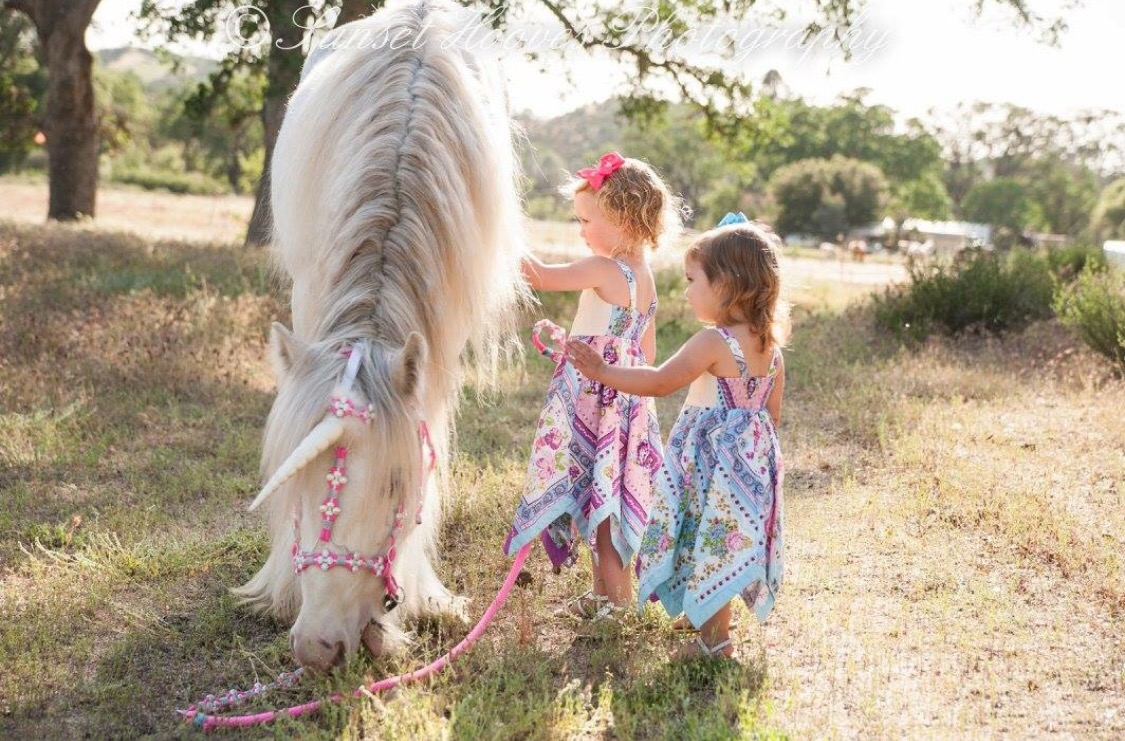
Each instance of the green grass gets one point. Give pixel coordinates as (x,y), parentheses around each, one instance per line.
(953,524)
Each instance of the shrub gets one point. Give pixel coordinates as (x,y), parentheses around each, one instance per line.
(1108,219)
(825,197)
(193,183)
(1094,306)
(977,291)
(1068,263)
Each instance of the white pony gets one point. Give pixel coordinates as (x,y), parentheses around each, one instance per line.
(396,214)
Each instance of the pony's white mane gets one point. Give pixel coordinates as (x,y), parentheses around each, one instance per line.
(395,210)
(396,197)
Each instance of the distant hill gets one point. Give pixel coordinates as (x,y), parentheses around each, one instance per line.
(155,73)
(576,137)
(560,145)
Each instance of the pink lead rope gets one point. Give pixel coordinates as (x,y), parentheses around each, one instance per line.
(558,336)
(197,715)
(209,722)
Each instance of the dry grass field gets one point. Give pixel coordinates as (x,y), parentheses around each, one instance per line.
(954,512)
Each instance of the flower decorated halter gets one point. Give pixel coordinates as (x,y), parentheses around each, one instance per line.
(609,163)
(325,559)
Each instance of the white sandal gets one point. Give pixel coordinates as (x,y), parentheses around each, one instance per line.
(708,652)
(606,611)
(587,606)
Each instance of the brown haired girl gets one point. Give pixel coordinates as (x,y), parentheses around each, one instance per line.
(715,529)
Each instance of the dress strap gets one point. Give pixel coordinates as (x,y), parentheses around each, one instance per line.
(735,350)
(773,361)
(632,281)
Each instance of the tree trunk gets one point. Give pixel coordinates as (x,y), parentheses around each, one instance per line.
(261,221)
(234,172)
(70,124)
(284,71)
(351,10)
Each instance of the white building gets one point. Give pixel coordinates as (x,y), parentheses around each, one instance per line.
(1115,252)
(947,236)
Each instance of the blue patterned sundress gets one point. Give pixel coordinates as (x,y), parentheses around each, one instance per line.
(715,528)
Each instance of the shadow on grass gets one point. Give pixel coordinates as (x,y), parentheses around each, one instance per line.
(73,267)
(140,457)
(154,625)
(499,690)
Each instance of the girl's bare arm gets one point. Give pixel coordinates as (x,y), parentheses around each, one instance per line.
(589,272)
(697,355)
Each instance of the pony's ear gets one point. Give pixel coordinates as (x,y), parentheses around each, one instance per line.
(409,370)
(285,349)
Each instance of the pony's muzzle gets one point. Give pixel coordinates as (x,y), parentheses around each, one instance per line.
(318,653)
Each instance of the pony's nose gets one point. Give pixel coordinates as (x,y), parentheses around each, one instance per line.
(317,654)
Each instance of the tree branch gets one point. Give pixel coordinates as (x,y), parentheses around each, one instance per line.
(29,7)
(351,10)
(681,72)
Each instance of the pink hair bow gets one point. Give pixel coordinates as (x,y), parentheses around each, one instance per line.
(610,163)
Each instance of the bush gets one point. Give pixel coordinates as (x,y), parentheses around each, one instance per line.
(826,197)
(1108,219)
(1094,306)
(193,183)
(977,291)
(1068,263)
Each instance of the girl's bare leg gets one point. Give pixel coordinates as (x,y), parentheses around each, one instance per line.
(717,629)
(616,581)
(712,633)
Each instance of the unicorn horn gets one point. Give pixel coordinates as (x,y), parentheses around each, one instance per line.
(322,437)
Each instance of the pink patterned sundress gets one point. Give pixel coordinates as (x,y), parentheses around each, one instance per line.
(595,450)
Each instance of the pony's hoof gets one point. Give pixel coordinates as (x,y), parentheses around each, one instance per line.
(459,608)
(451,607)
(373,638)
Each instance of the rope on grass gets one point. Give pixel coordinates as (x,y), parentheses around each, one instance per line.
(199,716)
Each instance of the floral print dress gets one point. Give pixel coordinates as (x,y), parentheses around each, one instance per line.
(595,449)
(716,522)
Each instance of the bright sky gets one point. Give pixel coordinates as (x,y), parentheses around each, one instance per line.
(915,55)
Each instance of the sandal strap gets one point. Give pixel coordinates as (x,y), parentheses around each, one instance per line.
(608,609)
(711,650)
(589,605)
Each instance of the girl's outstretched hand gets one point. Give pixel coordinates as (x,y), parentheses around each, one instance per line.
(588,362)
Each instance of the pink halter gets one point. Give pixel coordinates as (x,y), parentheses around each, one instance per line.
(325,559)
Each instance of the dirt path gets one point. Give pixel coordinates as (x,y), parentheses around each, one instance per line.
(160,215)
(954,577)
(151,214)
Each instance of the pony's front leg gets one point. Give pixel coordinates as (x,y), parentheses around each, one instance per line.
(424,594)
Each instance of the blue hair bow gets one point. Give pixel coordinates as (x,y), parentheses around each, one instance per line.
(732,218)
